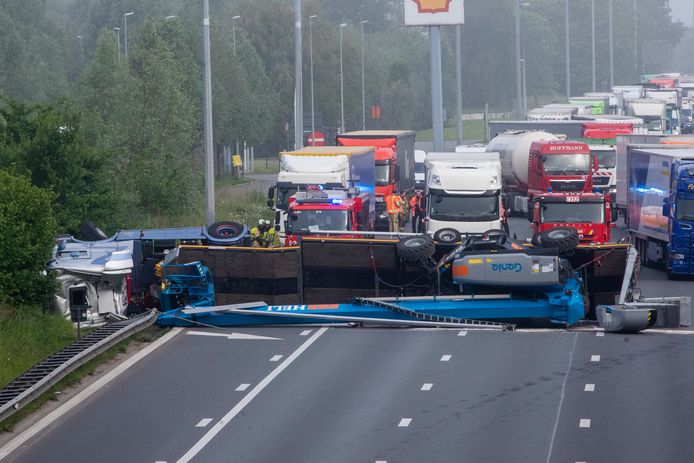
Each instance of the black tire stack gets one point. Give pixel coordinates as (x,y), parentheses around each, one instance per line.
(416,249)
(564,239)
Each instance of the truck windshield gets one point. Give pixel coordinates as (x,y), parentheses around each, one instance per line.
(283,195)
(463,208)
(573,212)
(567,163)
(685,209)
(303,222)
(382,174)
(607,159)
(654,125)
(419,168)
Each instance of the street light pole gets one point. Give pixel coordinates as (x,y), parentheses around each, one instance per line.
(342,85)
(436,90)
(459,87)
(117,29)
(363,91)
(81,49)
(525,89)
(313,108)
(298,79)
(233,30)
(519,95)
(125,32)
(209,148)
(611,46)
(568,53)
(593,27)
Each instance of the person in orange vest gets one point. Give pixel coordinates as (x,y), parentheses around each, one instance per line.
(418,206)
(393,206)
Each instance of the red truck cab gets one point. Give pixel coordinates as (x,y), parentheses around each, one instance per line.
(561,166)
(310,212)
(589,213)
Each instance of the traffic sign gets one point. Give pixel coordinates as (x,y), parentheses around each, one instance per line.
(318,137)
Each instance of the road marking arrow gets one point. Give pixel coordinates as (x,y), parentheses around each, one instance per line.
(241,336)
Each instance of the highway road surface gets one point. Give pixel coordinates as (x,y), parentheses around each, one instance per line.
(310,394)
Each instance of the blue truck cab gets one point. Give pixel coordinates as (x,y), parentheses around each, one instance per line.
(660,208)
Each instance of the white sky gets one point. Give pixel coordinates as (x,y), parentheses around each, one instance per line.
(682,10)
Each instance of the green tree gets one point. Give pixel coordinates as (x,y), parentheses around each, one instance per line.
(28,229)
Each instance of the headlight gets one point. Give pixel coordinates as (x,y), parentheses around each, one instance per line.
(677,256)
(383,216)
(436,179)
(494,180)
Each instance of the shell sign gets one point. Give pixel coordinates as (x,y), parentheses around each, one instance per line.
(433,12)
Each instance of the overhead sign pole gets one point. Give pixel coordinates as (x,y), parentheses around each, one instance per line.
(434,14)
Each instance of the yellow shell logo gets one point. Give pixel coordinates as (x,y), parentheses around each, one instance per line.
(432,6)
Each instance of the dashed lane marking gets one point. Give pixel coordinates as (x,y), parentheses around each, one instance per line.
(584,423)
(203,423)
(589,388)
(243,387)
(276,358)
(594,358)
(446,358)
(600,334)
(426,387)
(248,398)
(305,333)
(404,422)
(462,333)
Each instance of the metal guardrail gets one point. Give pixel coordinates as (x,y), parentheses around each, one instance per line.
(42,376)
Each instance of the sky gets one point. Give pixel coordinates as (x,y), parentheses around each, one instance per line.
(682,10)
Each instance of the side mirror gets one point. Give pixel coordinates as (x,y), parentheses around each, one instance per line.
(666,207)
(530,212)
(271,196)
(614,215)
(270,203)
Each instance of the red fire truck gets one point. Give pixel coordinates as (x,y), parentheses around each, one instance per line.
(589,213)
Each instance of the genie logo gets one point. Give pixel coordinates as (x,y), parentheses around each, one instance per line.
(507,267)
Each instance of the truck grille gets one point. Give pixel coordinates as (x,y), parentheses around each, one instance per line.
(572,185)
(601,180)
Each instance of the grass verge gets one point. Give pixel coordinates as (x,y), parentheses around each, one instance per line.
(472,131)
(147,335)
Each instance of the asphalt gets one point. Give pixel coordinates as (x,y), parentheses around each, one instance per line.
(396,395)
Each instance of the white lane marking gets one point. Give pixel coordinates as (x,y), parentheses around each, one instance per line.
(600,334)
(426,387)
(203,423)
(589,388)
(160,461)
(594,358)
(561,398)
(462,333)
(209,435)
(404,422)
(446,358)
(276,358)
(305,333)
(36,428)
(584,423)
(241,336)
(242,387)
(381,461)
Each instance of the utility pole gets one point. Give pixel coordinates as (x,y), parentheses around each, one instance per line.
(209,143)
(298,93)
(568,53)
(363,91)
(81,49)
(636,43)
(436,91)
(593,28)
(342,85)
(611,45)
(459,87)
(117,29)
(313,108)
(519,95)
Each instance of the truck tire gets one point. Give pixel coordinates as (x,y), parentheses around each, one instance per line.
(565,239)
(415,249)
(447,235)
(225,230)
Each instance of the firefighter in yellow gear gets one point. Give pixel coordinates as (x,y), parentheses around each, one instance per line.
(264,235)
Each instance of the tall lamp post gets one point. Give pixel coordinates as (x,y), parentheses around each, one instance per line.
(363,91)
(568,53)
(593,40)
(519,91)
(342,85)
(313,108)
(81,49)
(298,80)
(233,30)
(125,32)
(117,29)
(611,46)
(209,153)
